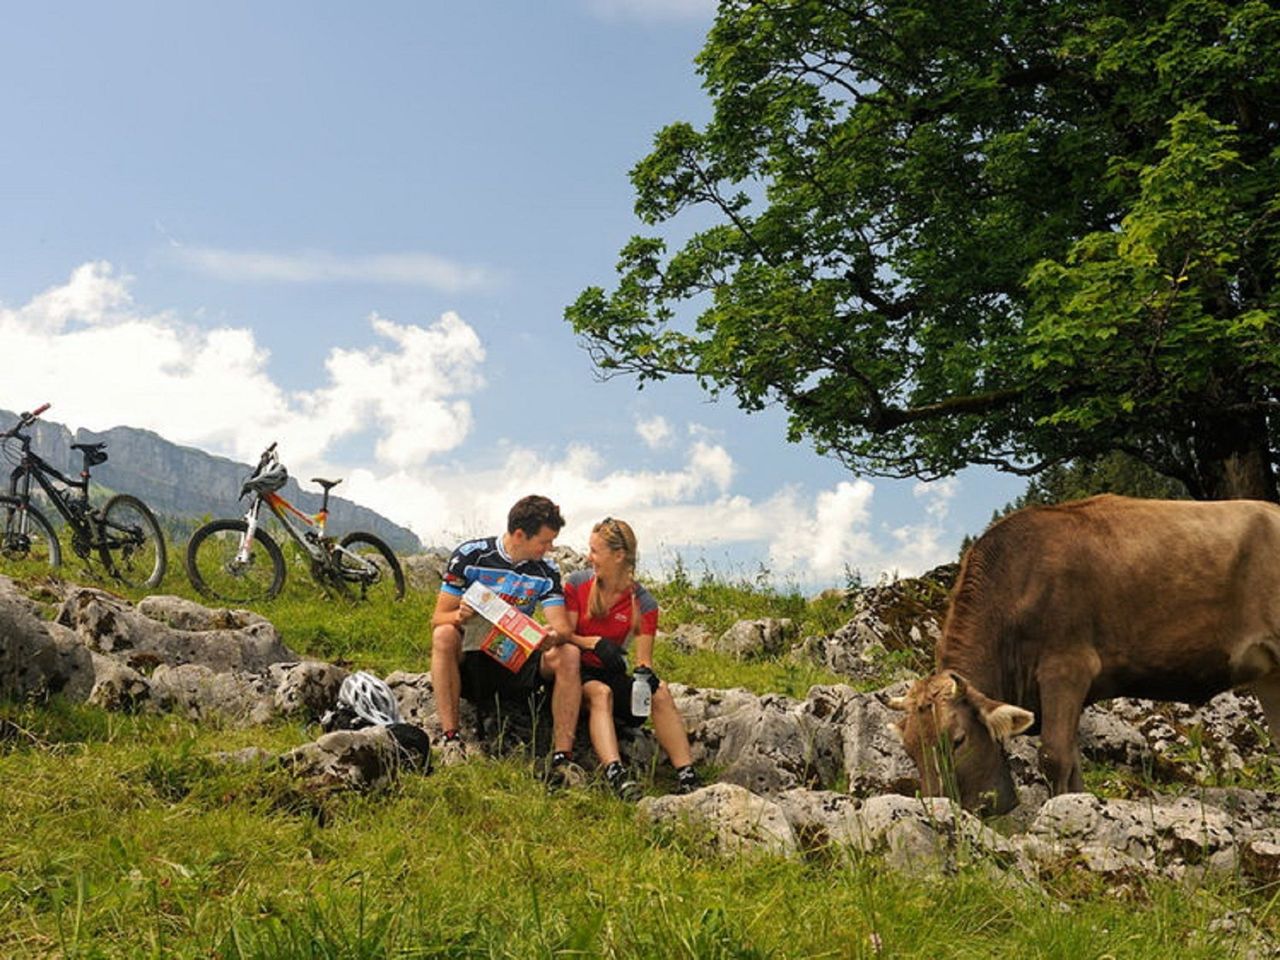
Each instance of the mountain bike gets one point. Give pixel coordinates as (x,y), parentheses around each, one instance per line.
(237,561)
(123,532)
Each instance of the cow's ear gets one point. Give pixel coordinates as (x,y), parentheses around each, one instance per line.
(959,685)
(1004,720)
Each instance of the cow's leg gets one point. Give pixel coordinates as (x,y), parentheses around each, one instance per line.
(1063,688)
(1267,689)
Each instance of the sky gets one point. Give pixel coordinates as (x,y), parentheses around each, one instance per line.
(354,228)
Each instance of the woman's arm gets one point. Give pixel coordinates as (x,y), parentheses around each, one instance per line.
(644,650)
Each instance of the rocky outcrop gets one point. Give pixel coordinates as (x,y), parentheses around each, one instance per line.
(892,632)
(107,624)
(1176,838)
(821,775)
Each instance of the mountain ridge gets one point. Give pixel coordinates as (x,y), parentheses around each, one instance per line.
(187,483)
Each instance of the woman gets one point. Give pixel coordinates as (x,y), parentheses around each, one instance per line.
(611,614)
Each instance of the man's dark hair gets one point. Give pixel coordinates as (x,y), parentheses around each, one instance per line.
(532,513)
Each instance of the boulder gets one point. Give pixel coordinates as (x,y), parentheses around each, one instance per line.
(110,625)
(201,693)
(362,760)
(688,637)
(117,686)
(39,659)
(183,614)
(425,571)
(306,689)
(757,638)
(1166,836)
(733,819)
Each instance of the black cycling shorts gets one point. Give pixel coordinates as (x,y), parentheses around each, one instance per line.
(483,677)
(620,684)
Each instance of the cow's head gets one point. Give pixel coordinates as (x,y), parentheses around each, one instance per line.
(955,735)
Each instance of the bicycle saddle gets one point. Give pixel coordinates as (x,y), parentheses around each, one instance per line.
(94,454)
(327,484)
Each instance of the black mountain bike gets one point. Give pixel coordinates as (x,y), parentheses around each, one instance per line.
(123,532)
(237,561)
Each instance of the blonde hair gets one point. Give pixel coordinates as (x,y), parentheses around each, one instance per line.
(617,535)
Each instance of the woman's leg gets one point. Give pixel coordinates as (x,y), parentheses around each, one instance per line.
(604,738)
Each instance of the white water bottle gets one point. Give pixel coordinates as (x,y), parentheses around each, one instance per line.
(641,692)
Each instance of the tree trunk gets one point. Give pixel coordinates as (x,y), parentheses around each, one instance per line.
(1233,458)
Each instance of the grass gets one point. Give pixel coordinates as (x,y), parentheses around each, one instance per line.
(124,836)
(130,841)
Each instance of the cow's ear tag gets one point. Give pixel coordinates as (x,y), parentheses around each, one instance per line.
(1006,720)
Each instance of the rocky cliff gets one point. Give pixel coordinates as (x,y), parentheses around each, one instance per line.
(184,484)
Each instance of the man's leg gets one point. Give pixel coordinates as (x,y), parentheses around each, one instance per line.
(563,663)
(446,684)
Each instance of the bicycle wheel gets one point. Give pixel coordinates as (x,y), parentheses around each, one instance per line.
(216,572)
(131,543)
(369,566)
(25,534)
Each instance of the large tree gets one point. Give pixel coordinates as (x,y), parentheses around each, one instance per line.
(950,232)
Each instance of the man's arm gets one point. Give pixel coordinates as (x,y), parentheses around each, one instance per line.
(450,611)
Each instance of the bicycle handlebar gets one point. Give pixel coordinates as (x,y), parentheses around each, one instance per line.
(26,419)
(267,455)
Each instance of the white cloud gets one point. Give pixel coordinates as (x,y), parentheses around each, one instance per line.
(402,269)
(653,9)
(655,432)
(104,361)
(937,495)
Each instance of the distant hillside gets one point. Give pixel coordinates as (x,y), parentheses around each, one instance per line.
(184,483)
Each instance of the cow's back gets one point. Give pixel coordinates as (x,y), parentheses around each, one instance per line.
(1166,599)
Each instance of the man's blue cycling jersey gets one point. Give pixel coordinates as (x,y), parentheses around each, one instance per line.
(523,584)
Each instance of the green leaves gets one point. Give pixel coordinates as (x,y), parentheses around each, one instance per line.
(942,233)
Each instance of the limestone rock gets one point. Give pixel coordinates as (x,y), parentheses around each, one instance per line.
(757,638)
(362,760)
(108,624)
(735,819)
(308,688)
(40,659)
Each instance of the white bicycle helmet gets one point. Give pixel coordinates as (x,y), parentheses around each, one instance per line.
(268,479)
(370,698)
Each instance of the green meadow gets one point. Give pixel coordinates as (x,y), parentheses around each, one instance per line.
(122,836)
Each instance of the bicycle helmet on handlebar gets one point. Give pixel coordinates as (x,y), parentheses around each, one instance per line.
(268,478)
(370,698)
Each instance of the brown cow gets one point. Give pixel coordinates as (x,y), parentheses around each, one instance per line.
(1056,607)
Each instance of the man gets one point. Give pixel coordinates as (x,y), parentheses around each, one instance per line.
(513,566)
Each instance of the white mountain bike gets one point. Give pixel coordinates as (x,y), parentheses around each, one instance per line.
(237,561)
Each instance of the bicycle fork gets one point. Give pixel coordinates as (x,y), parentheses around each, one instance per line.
(250,528)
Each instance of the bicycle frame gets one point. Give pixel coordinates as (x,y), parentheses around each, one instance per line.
(310,538)
(33,465)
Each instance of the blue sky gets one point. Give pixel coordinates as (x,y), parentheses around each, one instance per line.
(354,229)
